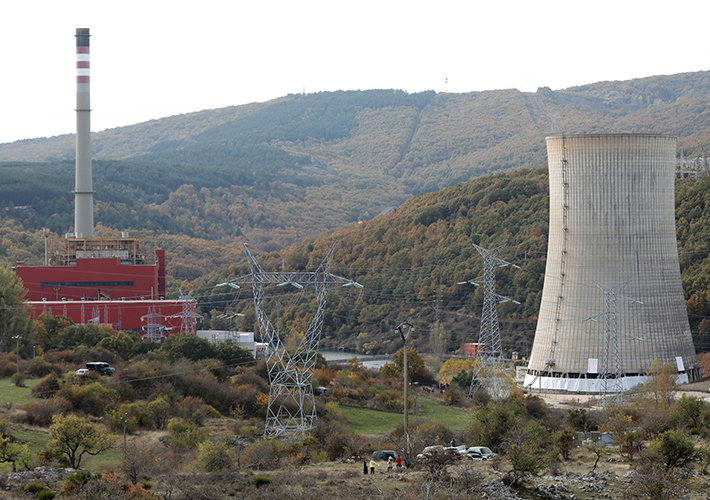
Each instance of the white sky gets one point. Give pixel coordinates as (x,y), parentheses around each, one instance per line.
(151,59)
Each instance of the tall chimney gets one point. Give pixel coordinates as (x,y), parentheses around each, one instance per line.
(83,192)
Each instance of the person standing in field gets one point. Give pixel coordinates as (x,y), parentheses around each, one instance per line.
(373,464)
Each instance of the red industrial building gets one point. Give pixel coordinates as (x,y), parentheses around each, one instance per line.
(107,281)
(97,279)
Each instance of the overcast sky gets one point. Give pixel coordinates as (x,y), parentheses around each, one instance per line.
(151,59)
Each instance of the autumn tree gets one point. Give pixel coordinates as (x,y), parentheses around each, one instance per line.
(660,386)
(395,369)
(625,432)
(73,437)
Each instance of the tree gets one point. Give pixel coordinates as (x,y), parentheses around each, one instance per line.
(396,367)
(524,446)
(14,453)
(675,447)
(192,347)
(625,433)
(74,437)
(660,385)
(12,295)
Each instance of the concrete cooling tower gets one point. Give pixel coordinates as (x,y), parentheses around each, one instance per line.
(612,221)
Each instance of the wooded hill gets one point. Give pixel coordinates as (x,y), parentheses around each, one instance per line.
(276,172)
(283,172)
(411,260)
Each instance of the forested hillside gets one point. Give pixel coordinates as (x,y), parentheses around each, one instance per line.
(281,174)
(278,172)
(411,260)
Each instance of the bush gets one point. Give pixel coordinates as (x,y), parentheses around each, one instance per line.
(214,456)
(92,398)
(18,379)
(42,413)
(38,367)
(186,435)
(676,449)
(33,488)
(47,387)
(261,481)
(46,495)
(195,410)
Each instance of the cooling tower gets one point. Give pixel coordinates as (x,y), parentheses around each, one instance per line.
(612,221)
(83,192)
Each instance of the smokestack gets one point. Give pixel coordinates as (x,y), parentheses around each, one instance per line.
(83,192)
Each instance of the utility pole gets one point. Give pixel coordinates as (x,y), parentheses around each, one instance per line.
(17,350)
(404,329)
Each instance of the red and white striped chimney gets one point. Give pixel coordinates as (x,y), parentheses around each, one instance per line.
(83,192)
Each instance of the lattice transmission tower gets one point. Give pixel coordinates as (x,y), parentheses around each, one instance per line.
(490,373)
(611,388)
(188,315)
(154,328)
(291,409)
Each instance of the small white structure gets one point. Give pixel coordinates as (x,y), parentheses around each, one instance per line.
(245,340)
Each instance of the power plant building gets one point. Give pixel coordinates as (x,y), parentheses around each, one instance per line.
(612,221)
(105,280)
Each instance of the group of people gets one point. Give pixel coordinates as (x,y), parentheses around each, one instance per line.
(391,462)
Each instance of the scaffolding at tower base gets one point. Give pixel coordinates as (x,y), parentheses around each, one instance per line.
(291,410)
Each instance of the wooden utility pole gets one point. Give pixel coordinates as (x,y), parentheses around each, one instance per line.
(404,330)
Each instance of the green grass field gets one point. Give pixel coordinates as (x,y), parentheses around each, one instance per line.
(17,395)
(366,421)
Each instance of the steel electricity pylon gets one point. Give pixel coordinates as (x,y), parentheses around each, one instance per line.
(611,388)
(489,373)
(291,409)
(188,315)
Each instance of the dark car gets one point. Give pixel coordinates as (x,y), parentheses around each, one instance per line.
(101,367)
(384,455)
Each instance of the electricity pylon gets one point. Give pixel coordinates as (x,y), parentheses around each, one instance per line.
(291,410)
(489,373)
(611,389)
(188,315)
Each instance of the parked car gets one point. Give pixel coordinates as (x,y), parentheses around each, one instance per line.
(101,367)
(461,449)
(479,453)
(384,455)
(452,453)
(430,451)
(81,371)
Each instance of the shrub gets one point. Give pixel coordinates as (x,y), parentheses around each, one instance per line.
(214,456)
(676,449)
(195,410)
(261,481)
(38,367)
(47,387)
(186,435)
(92,398)
(33,488)
(46,495)
(18,379)
(261,455)
(42,413)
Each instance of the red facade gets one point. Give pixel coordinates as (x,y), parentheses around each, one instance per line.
(107,291)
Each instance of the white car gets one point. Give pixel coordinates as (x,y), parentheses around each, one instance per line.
(480,453)
(81,371)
